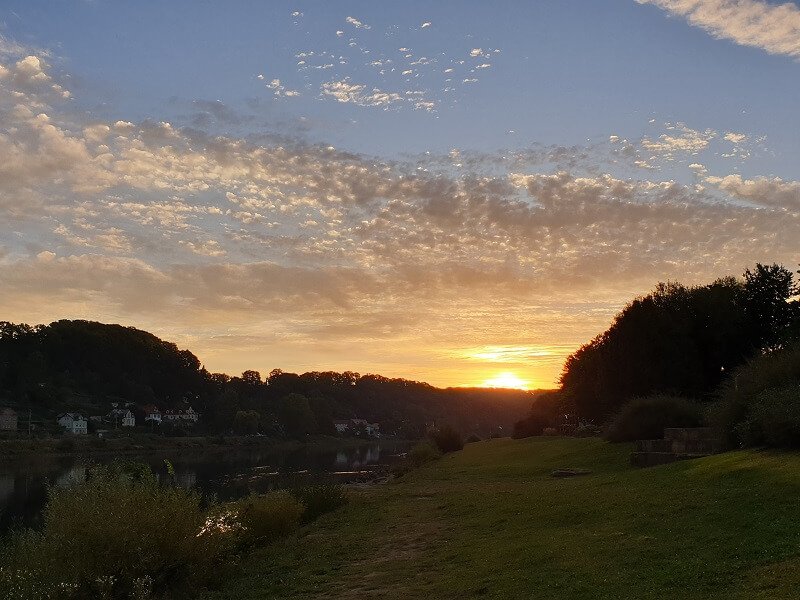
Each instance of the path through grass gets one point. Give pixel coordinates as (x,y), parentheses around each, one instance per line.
(490,522)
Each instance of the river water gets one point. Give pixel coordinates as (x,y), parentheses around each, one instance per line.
(226,473)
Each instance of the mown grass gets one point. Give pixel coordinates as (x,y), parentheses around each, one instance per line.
(490,522)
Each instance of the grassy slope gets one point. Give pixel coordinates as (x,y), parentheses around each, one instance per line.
(491,522)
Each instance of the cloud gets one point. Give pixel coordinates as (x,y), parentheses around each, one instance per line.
(771,192)
(181,229)
(424,25)
(685,141)
(356,23)
(770,27)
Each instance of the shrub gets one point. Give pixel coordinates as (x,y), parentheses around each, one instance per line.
(551,431)
(265,518)
(755,398)
(447,439)
(588,431)
(109,536)
(422,453)
(472,439)
(773,419)
(533,424)
(319,499)
(646,418)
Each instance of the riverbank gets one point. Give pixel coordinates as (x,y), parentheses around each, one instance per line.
(151,443)
(492,522)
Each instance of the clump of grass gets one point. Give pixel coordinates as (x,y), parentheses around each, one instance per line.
(420,454)
(447,439)
(261,519)
(319,499)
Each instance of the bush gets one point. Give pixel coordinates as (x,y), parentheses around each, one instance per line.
(646,418)
(447,439)
(533,424)
(755,399)
(550,431)
(472,439)
(113,535)
(588,431)
(422,453)
(773,419)
(265,518)
(319,499)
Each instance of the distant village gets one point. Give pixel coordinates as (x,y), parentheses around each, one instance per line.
(74,423)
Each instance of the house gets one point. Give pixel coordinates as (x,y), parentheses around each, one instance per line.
(151,413)
(189,415)
(122,417)
(357,425)
(8,420)
(372,429)
(74,423)
(342,425)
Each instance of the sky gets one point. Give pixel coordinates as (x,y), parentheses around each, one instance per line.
(458,193)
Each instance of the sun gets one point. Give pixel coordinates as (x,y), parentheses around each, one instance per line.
(507,380)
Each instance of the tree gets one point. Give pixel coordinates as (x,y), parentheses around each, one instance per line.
(246,422)
(251,377)
(296,416)
(680,340)
(767,291)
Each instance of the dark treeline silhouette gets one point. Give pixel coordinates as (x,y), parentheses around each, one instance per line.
(681,340)
(85,366)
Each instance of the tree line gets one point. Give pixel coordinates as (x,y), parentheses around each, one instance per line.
(75,365)
(681,340)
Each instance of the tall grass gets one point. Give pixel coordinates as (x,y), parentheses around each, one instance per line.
(122,535)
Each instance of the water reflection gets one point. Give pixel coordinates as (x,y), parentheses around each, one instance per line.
(225,473)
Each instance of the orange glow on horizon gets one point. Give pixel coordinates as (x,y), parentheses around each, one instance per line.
(507,380)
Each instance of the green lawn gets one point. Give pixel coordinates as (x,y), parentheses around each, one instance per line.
(490,522)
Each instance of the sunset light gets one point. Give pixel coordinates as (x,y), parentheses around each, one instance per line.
(439,270)
(351,187)
(507,380)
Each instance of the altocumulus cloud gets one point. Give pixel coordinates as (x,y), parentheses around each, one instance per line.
(138,221)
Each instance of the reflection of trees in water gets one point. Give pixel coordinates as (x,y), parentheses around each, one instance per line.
(225,473)
(6,487)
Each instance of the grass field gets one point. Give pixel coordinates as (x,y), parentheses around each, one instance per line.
(491,522)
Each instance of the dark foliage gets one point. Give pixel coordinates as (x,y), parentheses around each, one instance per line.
(533,424)
(447,439)
(319,499)
(681,340)
(646,418)
(547,410)
(84,366)
(759,405)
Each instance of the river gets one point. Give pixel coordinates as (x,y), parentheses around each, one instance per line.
(226,473)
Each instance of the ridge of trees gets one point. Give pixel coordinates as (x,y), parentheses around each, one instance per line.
(84,365)
(682,340)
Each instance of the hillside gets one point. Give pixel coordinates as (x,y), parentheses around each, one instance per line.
(86,366)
